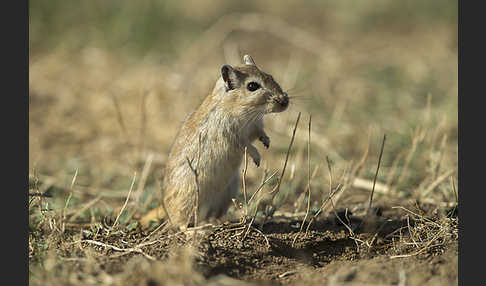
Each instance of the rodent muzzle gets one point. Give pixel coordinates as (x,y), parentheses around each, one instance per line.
(282,101)
(285,100)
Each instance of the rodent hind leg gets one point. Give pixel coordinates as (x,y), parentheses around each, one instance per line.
(230,192)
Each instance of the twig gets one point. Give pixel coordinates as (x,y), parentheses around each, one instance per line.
(36,187)
(68,200)
(308,183)
(196,181)
(261,186)
(196,202)
(412,235)
(45,195)
(287,273)
(415,140)
(365,184)
(264,236)
(257,204)
(393,169)
(142,182)
(454,189)
(84,208)
(439,180)
(144,176)
(417,215)
(119,117)
(441,155)
(135,249)
(321,208)
(126,201)
(277,188)
(376,174)
(330,198)
(244,182)
(422,249)
(143,121)
(155,230)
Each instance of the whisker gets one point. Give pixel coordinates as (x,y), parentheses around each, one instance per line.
(249,117)
(257,115)
(300,97)
(298,89)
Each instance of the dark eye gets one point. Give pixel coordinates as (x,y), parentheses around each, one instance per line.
(252,86)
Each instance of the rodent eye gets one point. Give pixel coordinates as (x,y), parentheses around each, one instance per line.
(252,86)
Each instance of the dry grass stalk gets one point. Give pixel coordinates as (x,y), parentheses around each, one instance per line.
(63,216)
(264,182)
(126,250)
(35,187)
(277,188)
(262,234)
(454,189)
(196,195)
(351,178)
(417,138)
(196,181)
(257,204)
(365,184)
(393,169)
(437,181)
(287,273)
(119,117)
(143,123)
(426,233)
(376,174)
(301,197)
(333,193)
(330,198)
(425,247)
(308,183)
(144,176)
(84,208)
(163,224)
(44,195)
(244,184)
(126,201)
(441,155)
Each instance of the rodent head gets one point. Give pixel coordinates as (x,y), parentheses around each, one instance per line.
(254,88)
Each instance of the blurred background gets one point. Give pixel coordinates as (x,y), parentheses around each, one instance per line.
(111,82)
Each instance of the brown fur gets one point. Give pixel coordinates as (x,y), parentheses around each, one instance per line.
(226,122)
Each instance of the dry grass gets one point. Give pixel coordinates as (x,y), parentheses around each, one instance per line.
(107,99)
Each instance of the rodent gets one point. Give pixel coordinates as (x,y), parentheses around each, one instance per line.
(213,138)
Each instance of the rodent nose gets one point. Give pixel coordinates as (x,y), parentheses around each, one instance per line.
(285,99)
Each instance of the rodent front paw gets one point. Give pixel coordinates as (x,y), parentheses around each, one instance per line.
(265,140)
(256,160)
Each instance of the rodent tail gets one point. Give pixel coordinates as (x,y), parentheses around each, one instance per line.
(154,215)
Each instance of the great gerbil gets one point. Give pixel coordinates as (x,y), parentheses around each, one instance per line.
(212,141)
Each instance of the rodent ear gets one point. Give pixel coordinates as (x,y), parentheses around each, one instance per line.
(229,76)
(248,60)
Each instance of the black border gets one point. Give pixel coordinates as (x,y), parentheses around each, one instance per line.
(15,127)
(471,49)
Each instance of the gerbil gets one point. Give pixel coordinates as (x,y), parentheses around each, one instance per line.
(213,138)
